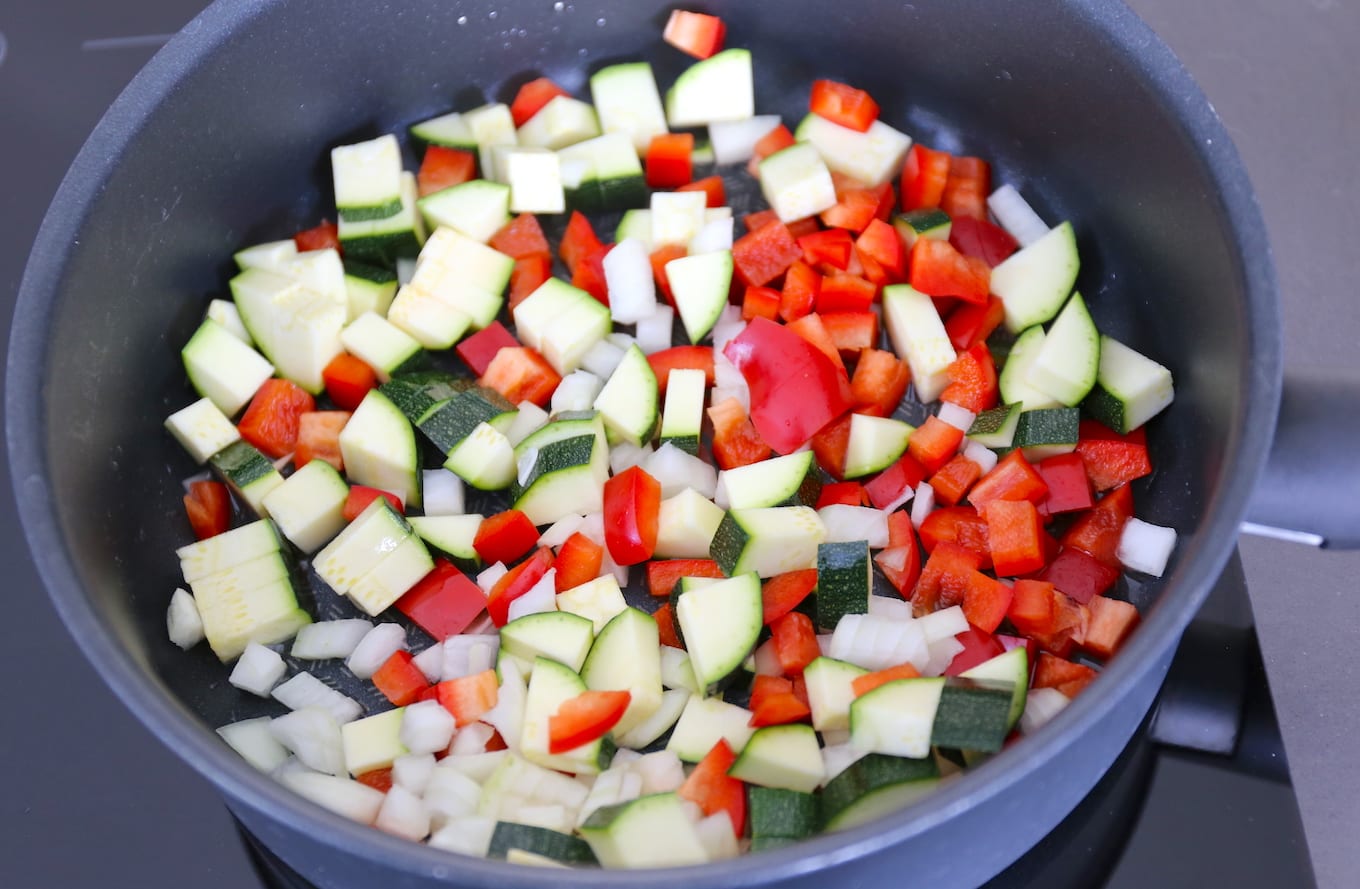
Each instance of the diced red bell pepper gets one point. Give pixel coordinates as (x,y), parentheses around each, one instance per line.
(208,505)
(966,190)
(665,626)
(478,350)
(979,646)
(1069,488)
(444,602)
(515,583)
(400,680)
(589,274)
(712,187)
(531,98)
(587,717)
(698,35)
(664,574)
(1079,575)
(443,168)
(978,237)
(963,525)
(774,703)
(844,105)
(784,592)
(521,374)
(795,642)
(659,258)
(319,438)
(1013,535)
(802,284)
(879,383)
(760,302)
(970,323)
(764,254)
(807,226)
(925,172)
(985,601)
(468,697)
(937,269)
(348,380)
(271,421)
(736,442)
(952,481)
(854,209)
(521,237)
(845,293)
(669,161)
(578,561)
(934,443)
(1053,620)
(681,357)
(851,333)
(862,685)
(881,242)
(360,496)
(945,578)
(775,140)
(1111,622)
(972,380)
(810,328)
(888,485)
(325,235)
(379,779)
(830,445)
(505,536)
(1112,459)
(900,530)
(578,241)
(1012,478)
(901,564)
(713,790)
(632,505)
(1065,676)
(831,246)
(843,494)
(795,389)
(528,275)
(760,218)
(1098,531)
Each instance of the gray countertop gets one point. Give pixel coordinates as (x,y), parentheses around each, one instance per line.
(1282,74)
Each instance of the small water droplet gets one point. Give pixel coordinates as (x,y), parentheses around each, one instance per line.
(462,20)
(559,6)
(600,22)
(1005,75)
(492,14)
(580,52)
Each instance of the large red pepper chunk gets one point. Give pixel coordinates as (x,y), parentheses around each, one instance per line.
(515,583)
(632,505)
(713,790)
(505,536)
(795,389)
(444,602)
(209,507)
(271,421)
(1112,459)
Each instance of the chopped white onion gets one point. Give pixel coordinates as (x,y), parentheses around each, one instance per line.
(959,417)
(835,736)
(378,644)
(182,620)
(258,670)
(559,531)
(720,498)
(413,771)
(734,142)
(661,771)
(469,654)
(824,643)
(305,690)
(576,392)
(617,784)
(728,382)
(507,717)
(846,524)
(1145,547)
(876,643)
(477,766)
(430,663)
(592,526)
(628,275)
(677,470)
(836,758)
(626,455)
(403,814)
(524,465)
(609,566)
(943,624)
(922,506)
(1016,216)
(980,454)
(471,738)
(469,835)
(442,492)
(451,794)
(426,727)
(550,816)
(714,236)
(890,608)
(602,358)
(314,737)
(655,332)
(621,339)
(257,745)
(942,653)
(329,639)
(488,576)
(530,418)
(716,835)
(1041,705)
(542,596)
(728,327)
(900,500)
(346,797)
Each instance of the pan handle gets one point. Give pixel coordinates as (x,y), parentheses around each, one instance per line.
(1310,489)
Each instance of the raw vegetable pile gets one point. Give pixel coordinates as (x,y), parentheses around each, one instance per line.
(833,609)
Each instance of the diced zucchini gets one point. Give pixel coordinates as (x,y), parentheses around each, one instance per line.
(796,182)
(417,394)
(930,223)
(875,786)
(781,756)
(309,505)
(484,459)
(1009,667)
(271,256)
(599,600)
(603,174)
(1066,365)
(296,318)
(467,275)
(492,126)
(1034,283)
(845,580)
(918,335)
(700,286)
(378,445)
(223,369)
(551,685)
(719,88)
(1013,382)
(720,623)
(973,714)
(627,657)
(392,577)
(202,429)
(875,443)
(676,216)
(872,157)
(535,179)
(427,319)
(562,323)
(383,241)
(682,418)
(897,718)
(791,480)
(553,845)
(358,549)
(1047,432)
(704,722)
(367,179)
(829,692)
(676,671)
(558,635)
(1130,388)
(628,102)
(447,424)
(563,121)
(650,831)
(995,428)
(373,742)
(381,345)
(628,401)
(476,209)
(686,525)
(776,812)
(567,478)
(448,130)
(250,474)
(768,541)
(368,288)
(227,549)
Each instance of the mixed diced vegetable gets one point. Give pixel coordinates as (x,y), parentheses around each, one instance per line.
(692,544)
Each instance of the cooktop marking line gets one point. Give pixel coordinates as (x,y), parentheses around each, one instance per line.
(138,41)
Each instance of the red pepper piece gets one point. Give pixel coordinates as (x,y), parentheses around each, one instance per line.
(578,241)
(962,525)
(810,328)
(1097,532)
(966,190)
(735,440)
(774,703)
(830,444)
(659,258)
(784,592)
(400,680)
(325,235)
(698,35)
(515,583)
(665,626)
(1065,676)
(881,243)
(521,237)
(971,323)
(854,209)
(954,479)
(879,383)
(669,161)
(831,246)
(795,642)
(528,275)
(776,139)
(379,779)
(760,302)
(270,422)
(531,98)
(901,562)
(578,561)
(348,380)
(505,536)
(478,350)
(985,601)
(972,380)
(843,104)
(360,496)
(764,254)
(664,574)
(1069,488)
(937,269)
(712,186)
(521,374)
(444,603)
(208,505)
(843,494)
(443,168)
(713,790)
(862,685)
(990,243)
(934,443)
(945,578)
(589,274)
(979,646)
(851,333)
(1012,478)
(925,172)
(1013,535)
(1111,622)
(585,718)
(681,357)
(1078,574)
(1112,459)
(802,284)
(845,293)
(468,697)
(632,503)
(319,438)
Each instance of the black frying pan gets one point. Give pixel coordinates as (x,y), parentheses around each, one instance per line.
(222,141)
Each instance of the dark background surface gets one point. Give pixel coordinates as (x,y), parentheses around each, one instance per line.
(91,799)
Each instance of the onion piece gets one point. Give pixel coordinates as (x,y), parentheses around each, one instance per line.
(1145,547)
(413,771)
(257,745)
(602,359)
(488,576)
(729,326)
(943,624)
(654,332)
(559,531)
(626,455)
(183,623)
(846,524)
(470,835)
(530,419)
(403,814)
(980,454)
(959,417)
(1041,705)
(378,644)
(661,771)
(677,470)
(922,506)
(471,738)
(305,690)
(469,654)
(632,288)
(442,493)
(314,737)
(716,836)
(329,639)
(576,392)
(1016,216)
(734,142)
(876,643)
(540,597)
(355,801)
(713,236)
(430,663)
(426,727)
(258,670)
(888,607)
